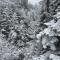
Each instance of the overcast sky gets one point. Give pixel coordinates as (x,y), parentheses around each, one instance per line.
(33,1)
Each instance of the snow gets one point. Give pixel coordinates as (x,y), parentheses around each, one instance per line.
(33,1)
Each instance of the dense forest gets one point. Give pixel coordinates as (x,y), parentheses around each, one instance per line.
(29,32)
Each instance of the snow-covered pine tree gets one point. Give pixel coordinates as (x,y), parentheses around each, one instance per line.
(49,35)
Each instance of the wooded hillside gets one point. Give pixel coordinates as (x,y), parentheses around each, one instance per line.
(29,32)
